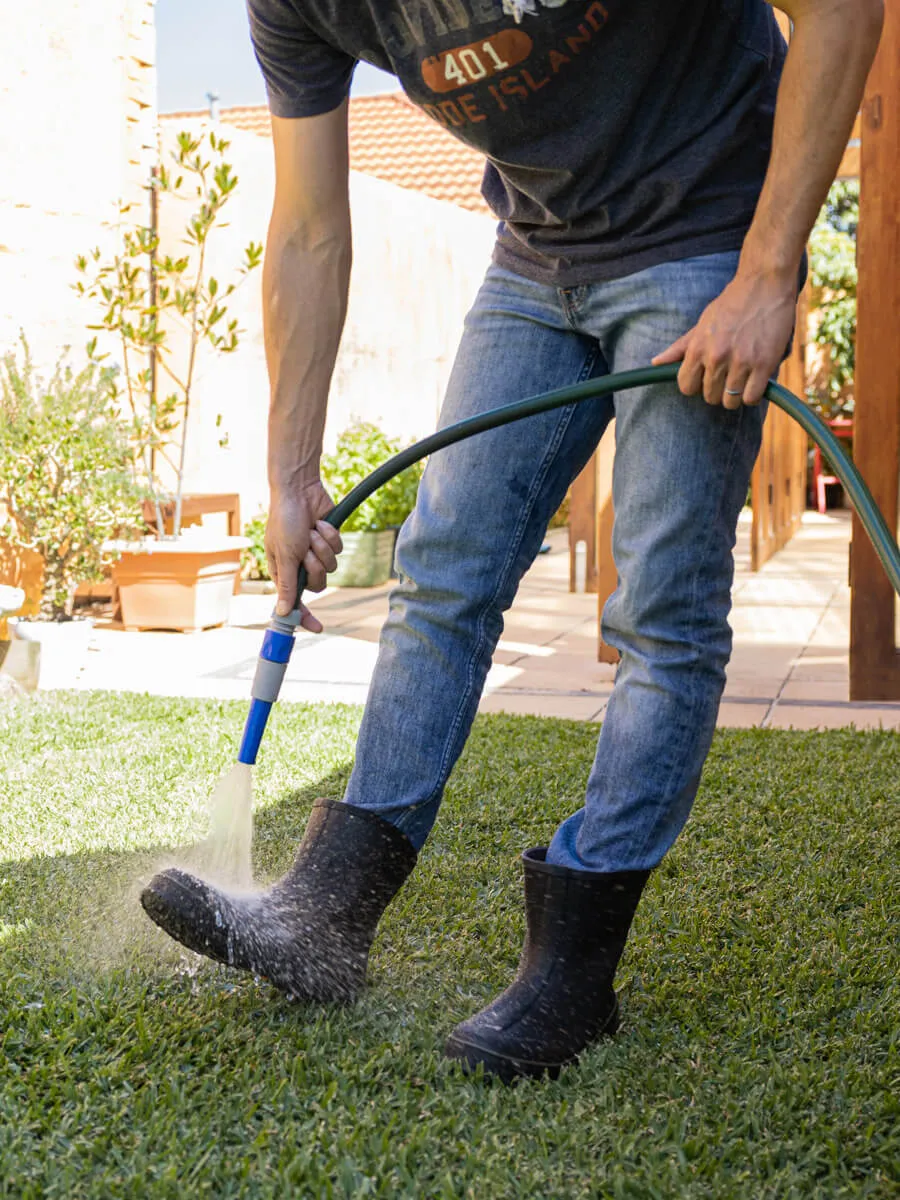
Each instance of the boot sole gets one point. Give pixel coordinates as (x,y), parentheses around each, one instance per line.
(172,906)
(471,1055)
(507,1070)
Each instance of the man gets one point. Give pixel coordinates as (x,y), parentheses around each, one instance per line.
(654,203)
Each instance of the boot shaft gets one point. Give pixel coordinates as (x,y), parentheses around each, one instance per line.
(578,914)
(352,861)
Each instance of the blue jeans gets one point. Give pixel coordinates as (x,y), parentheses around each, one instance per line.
(681,474)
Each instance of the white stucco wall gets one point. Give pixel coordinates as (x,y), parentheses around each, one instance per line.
(417,265)
(77,127)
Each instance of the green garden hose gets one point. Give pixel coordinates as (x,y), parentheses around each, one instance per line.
(279,637)
(853,483)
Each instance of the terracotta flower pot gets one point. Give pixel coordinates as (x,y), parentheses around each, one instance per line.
(183,584)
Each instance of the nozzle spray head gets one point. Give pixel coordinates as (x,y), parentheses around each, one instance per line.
(278,642)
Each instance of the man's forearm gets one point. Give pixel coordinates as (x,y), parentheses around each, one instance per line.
(305,283)
(831,51)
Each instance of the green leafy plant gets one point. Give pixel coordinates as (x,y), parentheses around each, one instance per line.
(254,564)
(360,449)
(833,276)
(65,478)
(143,295)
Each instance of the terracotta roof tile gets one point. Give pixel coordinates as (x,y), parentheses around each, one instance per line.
(393,140)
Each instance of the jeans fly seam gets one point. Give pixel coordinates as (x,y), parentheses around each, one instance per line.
(651,831)
(566,416)
(572,302)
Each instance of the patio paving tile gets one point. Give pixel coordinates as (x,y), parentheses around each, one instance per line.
(832,630)
(333,660)
(762,688)
(786,591)
(533,628)
(359,633)
(542,704)
(524,649)
(501,675)
(741,716)
(773,626)
(811,691)
(567,604)
(563,663)
(826,664)
(325,693)
(838,716)
(582,641)
(761,662)
(564,683)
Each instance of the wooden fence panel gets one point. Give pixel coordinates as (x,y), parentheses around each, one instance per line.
(778,483)
(582,520)
(607,578)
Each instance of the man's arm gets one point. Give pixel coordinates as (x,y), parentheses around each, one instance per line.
(305,281)
(738,343)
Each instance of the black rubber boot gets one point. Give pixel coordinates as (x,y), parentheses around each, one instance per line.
(310,933)
(562,998)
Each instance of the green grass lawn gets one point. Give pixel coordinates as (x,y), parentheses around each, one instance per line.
(760,1051)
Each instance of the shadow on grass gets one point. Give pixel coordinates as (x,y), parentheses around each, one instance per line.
(80,960)
(80,916)
(745,864)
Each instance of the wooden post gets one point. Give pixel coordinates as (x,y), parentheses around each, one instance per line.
(874,657)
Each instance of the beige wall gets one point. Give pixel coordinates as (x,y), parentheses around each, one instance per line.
(417,265)
(77,131)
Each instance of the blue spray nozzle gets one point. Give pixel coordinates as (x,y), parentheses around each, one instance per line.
(278,642)
(254,728)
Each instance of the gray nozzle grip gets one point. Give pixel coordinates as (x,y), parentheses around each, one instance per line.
(267,680)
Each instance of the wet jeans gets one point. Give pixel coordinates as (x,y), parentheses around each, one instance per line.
(682,470)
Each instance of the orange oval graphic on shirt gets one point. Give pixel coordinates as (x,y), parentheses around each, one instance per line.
(479,60)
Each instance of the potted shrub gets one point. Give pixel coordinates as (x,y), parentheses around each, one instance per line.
(160,309)
(67,488)
(254,564)
(369,534)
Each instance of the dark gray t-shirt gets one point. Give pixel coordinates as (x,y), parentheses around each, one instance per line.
(618,134)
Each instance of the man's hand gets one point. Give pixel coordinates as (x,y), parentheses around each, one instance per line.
(297,535)
(737,345)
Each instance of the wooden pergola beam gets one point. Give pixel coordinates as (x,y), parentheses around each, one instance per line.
(874,656)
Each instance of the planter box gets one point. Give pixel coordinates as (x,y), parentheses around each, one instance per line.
(366,559)
(11,600)
(185,584)
(48,654)
(23,569)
